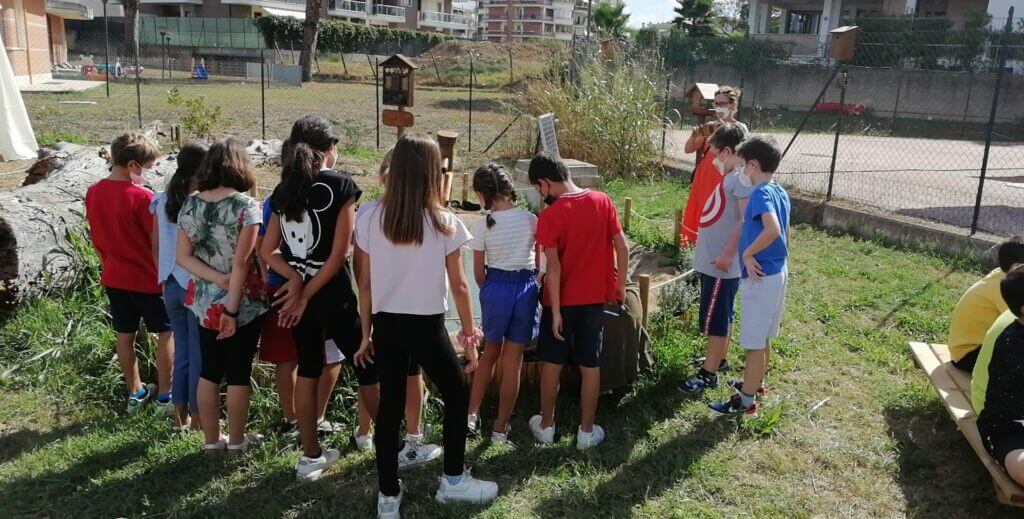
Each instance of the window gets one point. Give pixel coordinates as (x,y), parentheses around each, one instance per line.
(803,22)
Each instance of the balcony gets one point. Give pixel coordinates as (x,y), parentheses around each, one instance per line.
(347,9)
(388,13)
(445,20)
(68,9)
(288,5)
(171,2)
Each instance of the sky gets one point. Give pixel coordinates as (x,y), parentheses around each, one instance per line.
(649,11)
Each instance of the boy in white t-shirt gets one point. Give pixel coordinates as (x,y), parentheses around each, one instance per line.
(504,264)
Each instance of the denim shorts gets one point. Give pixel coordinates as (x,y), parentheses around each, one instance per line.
(508,304)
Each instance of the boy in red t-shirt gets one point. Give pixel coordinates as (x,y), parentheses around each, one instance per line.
(121,228)
(582,241)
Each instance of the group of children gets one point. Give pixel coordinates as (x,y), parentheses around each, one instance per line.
(986,339)
(308,280)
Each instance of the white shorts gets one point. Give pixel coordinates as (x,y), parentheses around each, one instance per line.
(761,303)
(332,354)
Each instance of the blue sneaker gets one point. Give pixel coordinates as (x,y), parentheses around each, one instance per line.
(733,407)
(699,383)
(136,399)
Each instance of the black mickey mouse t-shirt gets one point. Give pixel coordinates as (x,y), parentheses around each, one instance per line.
(309,241)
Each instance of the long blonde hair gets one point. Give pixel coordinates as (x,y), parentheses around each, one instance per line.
(413,186)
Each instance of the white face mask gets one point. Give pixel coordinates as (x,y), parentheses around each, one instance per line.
(722,112)
(719,164)
(140,177)
(744,178)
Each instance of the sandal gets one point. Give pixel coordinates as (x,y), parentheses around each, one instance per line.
(250,439)
(216,448)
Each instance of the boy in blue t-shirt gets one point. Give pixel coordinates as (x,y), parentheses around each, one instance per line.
(764,248)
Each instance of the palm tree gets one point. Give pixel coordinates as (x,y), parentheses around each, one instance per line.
(310,28)
(696,17)
(610,20)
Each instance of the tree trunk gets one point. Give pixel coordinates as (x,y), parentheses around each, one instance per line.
(310,29)
(36,255)
(131,26)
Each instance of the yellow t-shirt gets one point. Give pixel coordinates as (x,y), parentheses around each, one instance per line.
(974,314)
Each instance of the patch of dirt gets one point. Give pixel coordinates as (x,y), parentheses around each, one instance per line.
(12,173)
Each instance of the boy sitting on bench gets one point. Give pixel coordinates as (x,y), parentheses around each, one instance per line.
(1001,411)
(980,306)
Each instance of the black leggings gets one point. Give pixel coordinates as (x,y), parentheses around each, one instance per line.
(332,313)
(399,340)
(231,357)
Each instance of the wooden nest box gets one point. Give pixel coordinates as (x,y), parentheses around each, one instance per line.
(399,81)
(702,98)
(842,42)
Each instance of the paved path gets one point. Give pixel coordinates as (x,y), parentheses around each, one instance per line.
(935,179)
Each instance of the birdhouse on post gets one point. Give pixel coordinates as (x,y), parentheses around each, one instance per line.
(702,99)
(399,81)
(842,42)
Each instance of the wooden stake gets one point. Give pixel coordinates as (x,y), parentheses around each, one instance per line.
(448,186)
(627,213)
(465,187)
(677,229)
(645,295)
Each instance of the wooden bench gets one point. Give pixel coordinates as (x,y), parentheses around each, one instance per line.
(954,388)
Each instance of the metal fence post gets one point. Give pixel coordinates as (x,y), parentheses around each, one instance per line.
(967,102)
(138,82)
(263,92)
(106,46)
(899,90)
(839,128)
(469,146)
(1003,50)
(376,94)
(664,112)
(511,74)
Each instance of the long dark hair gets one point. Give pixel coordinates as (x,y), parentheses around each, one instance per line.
(314,135)
(227,164)
(297,179)
(412,187)
(493,183)
(190,157)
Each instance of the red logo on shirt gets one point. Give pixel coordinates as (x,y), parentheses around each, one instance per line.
(714,208)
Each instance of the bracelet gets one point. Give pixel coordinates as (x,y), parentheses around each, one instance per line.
(229,313)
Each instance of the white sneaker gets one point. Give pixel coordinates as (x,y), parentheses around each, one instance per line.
(591,439)
(248,440)
(216,448)
(546,436)
(135,402)
(469,490)
(413,454)
(326,427)
(472,421)
(387,507)
(364,442)
(310,469)
(498,438)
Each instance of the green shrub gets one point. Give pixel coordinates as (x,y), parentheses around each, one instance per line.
(52,138)
(198,120)
(342,36)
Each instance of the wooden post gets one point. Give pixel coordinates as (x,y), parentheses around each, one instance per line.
(448,179)
(645,295)
(465,187)
(678,229)
(401,129)
(627,213)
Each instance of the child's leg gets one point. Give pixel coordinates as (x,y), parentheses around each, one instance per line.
(369,395)
(390,337)
(365,418)
(128,362)
(511,365)
(435,354)
(586,326)
(164,361)
(325,387)
(209,385)
(284,379)
(309,342)
(195,365)
(482,375)
(590,390)
(753,372)
(550,378)
(717,347)
(414,404)
(717,298)
(241,351)
(1014,464)
(174,303)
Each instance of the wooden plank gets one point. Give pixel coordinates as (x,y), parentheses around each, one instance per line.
(397,118)
(962,379)
(1007,490)
(926,358)
(956,403)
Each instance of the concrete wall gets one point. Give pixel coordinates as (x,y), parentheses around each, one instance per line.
(923,94)
(58,41)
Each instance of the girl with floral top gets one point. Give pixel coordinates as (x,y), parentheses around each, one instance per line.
(215,245)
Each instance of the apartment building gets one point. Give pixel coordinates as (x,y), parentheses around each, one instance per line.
(33,35)
(512,20)
(443,16)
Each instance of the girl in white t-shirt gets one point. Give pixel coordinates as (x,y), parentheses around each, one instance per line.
(504,264)
(407,249)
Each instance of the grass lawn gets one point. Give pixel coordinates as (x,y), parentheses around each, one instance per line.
(349,105)
(881,446)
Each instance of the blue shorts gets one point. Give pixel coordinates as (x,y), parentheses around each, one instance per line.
(508,304)
(583,330)
(717,302)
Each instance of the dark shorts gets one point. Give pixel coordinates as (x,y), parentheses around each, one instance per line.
(583,330)
(967,362)
(1001,438)
(717,299)
(509,306)
(127,307)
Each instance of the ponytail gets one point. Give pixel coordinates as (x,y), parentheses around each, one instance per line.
(300,168)
(493,183)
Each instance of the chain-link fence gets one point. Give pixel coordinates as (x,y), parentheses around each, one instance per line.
(925,121)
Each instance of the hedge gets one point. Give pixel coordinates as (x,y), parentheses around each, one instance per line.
(342,36)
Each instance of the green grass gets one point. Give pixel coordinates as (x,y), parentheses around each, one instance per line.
(882,446)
